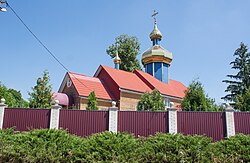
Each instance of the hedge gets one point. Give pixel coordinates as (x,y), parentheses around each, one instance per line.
(46,145)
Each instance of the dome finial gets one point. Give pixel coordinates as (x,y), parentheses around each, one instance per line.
(155,35)
(117,59)
(154,15)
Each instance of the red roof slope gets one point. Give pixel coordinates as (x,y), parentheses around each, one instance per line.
(173,88)
(138,81)
(86,84)
(126,80)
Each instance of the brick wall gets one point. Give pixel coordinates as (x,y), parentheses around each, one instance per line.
(102,105)
(129,101)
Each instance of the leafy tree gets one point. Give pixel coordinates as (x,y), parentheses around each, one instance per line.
(92,102)
(240,82)
(151,101)
(41,97)
(196,100)
(20,102)
(128,49)
(13,98)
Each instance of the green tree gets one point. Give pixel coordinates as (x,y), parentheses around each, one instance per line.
(128,49)
(243,101)
(20,102)
(41,95)
(151,101)
(13,97)
(239,83)
(196,100)
(92,102)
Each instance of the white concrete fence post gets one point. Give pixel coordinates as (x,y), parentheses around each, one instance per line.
(2,107)
(172,119)
(230,125)
(54,115)
(113,117)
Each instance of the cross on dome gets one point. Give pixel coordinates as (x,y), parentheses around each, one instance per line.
(154,15)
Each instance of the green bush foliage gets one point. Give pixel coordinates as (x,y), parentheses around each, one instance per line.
(234,149)
(174,148)
(46,145)
(114,147)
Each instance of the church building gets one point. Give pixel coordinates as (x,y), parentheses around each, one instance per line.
(125,88)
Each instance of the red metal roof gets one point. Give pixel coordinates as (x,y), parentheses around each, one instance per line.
(86,84)
(126,80)
(173,88)
(138,81)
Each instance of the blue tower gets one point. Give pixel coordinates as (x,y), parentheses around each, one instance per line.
(156,59)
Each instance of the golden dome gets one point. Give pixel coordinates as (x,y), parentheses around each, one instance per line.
(157,54)
(156,33)
(117,59)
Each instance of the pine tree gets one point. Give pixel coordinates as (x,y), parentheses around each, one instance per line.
(240,82)
(151,101)
(41,97)
(243,101)
(128,49)
(92,102)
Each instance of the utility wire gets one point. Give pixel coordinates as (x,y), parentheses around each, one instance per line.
(43,45)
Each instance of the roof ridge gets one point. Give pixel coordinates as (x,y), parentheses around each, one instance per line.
(144,80)
(75,73)
(81,76)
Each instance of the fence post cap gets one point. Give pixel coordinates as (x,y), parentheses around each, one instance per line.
(113,103)
(228,108)
(2,101)
(171,104)
(172,108)
(56,105)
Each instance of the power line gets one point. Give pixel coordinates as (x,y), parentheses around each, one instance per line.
(43,45)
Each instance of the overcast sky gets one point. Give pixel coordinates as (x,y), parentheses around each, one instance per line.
(201,34)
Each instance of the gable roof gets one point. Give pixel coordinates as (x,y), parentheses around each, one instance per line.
(173,88)
(125,80)
(86,84)
(140,81)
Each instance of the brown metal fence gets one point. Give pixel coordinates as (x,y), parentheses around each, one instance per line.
(142,123)
(26,119)
(242,122)
(83,123)
(211,124)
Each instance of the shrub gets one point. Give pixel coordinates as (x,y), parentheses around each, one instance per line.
(49,145)
(39,146)
(114,147)
(234,149)
(174,148)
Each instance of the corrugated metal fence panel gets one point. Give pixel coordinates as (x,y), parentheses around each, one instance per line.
(211,124)
(142,123)
(26,119)
(82,122)
(242,122)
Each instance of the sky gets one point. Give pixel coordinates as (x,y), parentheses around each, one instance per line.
(201,34)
